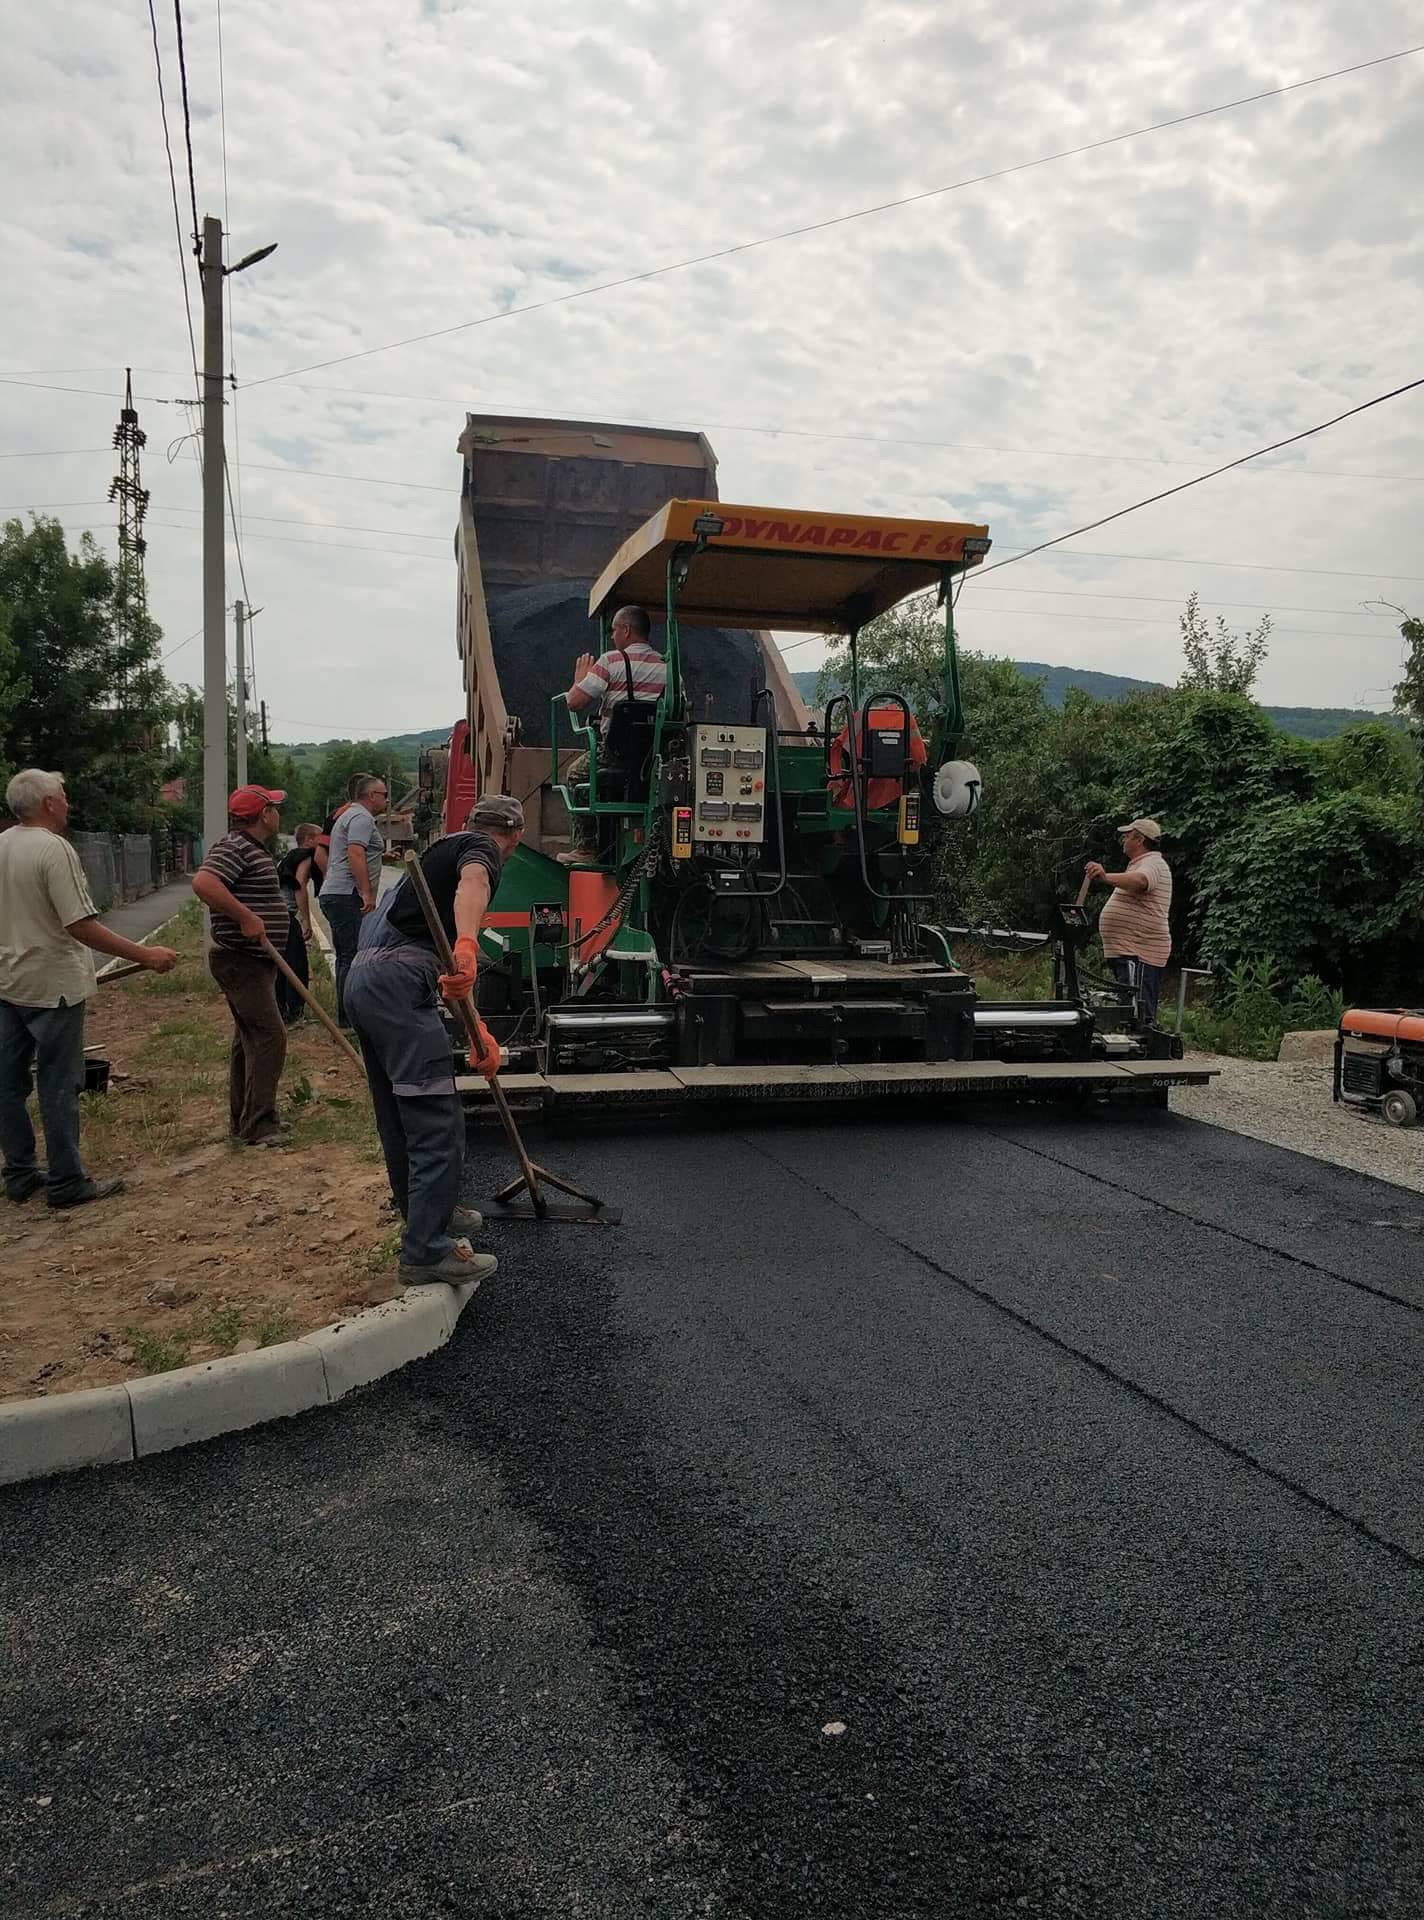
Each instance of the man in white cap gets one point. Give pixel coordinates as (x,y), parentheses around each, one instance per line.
(1136,936)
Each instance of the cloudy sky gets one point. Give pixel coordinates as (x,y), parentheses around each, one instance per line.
(1032,351)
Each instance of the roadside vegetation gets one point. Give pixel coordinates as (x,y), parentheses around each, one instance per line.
(1298,865)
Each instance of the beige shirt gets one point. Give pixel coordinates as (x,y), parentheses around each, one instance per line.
(42,892)
(1134,925)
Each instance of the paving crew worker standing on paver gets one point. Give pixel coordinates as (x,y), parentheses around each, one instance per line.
(632,669)
(238,884)
(48,924)
(353,873)
(1136,936)
(392,998)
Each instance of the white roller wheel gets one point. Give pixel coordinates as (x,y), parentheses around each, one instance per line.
(957,789)
(1399,1109)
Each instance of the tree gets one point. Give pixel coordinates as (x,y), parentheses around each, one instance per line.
(1409,693)
(1220,661)
(274,769)
(901,652)
(81,689)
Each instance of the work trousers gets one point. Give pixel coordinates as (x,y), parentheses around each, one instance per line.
(344,917)
(394,1007)
(49,1040)
(259,1041)
(289,1002)
(1145,981)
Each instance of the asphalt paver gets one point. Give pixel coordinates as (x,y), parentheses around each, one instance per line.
(1009,1514)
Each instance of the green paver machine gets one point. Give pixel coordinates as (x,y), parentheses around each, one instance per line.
(752,916)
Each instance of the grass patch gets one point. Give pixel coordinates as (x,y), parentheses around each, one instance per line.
(1253,1006)
(159,1352)
(222,1328)
(272,1326)
(384,1254)
(186,1042)
(1000,974)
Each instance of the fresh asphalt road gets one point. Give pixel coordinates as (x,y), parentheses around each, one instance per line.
(1072,1467)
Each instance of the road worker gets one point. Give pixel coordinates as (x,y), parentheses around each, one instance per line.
(393,994)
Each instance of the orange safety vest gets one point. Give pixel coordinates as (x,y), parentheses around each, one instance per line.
(878,793)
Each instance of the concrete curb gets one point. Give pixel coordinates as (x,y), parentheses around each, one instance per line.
(101,1426)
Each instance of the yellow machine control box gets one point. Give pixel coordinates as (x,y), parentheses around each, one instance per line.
(729,784)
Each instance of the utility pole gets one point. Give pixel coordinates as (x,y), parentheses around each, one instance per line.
(265,747)
(215,788)
(241,611)
(213,272)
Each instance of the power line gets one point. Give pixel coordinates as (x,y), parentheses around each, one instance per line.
(1200,479)
(188,132)
(842,219)
(402,533)
(52,453)
(94,393)
(181,644)
(727,426)
(173,189)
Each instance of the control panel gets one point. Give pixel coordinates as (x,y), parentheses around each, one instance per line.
(729,784)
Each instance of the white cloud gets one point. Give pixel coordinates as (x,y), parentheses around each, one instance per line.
(1173,299)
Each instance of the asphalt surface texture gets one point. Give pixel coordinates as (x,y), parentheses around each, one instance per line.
(137,919)
(1006,1514)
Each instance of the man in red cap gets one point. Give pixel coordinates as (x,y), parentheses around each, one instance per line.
(238,884)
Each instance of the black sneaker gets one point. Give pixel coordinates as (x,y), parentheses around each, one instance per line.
(83,1191)
(21,1186)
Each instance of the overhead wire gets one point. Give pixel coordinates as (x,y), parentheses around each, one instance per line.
(188,130)
(173,189)
(843,219)
(1200,479)
(726,426)
(51,453)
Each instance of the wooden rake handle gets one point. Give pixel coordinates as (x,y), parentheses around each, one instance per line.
(317,1008)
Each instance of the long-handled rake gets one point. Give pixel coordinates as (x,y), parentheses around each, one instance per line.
(590,1211)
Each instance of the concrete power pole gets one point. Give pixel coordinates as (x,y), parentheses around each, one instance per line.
(241,611)
(215,787)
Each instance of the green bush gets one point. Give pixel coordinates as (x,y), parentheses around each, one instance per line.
(1334,888)
(1253,1007)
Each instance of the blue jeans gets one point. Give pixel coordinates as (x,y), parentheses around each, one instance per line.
(344,917)
(394,1007)
(1145,981)
(51,1041)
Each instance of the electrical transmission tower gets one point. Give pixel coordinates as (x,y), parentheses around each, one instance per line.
(128,490)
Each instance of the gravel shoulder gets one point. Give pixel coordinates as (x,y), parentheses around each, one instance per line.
(1288,1104)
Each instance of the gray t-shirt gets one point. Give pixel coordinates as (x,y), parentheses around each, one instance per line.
(357,825)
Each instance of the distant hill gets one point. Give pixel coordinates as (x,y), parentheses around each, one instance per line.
(402,748)
(1306,723)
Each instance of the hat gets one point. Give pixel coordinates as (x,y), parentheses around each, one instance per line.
(1149,829)
(248,802)
(498,810)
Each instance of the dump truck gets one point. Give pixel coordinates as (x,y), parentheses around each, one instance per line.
(736,899)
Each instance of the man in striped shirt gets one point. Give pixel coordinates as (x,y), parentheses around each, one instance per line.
(1136,935)
(631,666)
(238,884)
(631,660)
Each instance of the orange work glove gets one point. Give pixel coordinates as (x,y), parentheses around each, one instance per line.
(459,984)
(488,1062)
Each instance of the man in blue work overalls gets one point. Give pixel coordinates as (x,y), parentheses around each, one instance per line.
(393,994)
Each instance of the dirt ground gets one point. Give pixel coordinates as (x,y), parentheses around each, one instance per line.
(210,1249)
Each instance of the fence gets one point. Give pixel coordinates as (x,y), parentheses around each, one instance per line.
(125,866)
